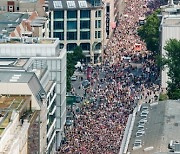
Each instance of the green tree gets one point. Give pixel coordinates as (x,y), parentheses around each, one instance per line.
(172,59)
(149,32)
(72,59)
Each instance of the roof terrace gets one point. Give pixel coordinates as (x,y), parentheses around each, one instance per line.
(8,104)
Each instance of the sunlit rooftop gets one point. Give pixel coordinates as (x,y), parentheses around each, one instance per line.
(8,104)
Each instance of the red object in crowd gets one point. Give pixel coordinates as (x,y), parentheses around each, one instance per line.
(89,72)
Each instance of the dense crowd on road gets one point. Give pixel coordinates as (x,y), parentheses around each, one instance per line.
(127,76)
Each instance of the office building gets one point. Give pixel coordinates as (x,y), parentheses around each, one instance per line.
(79,23)
(44,52)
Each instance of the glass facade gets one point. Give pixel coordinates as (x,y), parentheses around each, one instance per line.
(71,25)
(85,24)
(58,14)
(71,35)
(58,25)
(85,14)
(85,35)
(85,46)
(71,14)
(59,35)
(71,46)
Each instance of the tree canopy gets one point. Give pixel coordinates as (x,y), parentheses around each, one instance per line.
(149,32)
(72,59)
(172,59)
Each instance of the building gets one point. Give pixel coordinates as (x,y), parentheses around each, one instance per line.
(79,23)
(154,128)
(169,29)
(15,24)
(112,13)
(22,110)
(44,53)
(23,6)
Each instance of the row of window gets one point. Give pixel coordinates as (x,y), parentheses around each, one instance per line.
(72,25)
(84,46)
(84,35)
(73,14)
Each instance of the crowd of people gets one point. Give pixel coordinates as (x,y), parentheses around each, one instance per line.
(126,77)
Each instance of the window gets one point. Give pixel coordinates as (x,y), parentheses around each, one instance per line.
(85,46)
(59,35)
(61,46)
(97,34)
(85,35)
(71,25)
(71,46)
(59,14)
(71,35)
(85,14)
(71,4)
(4,8)
(72,14)
(98,13)
(58,25)
(85,24)
(98,24)
(17,8)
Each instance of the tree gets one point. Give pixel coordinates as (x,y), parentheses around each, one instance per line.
(72,59)
(149,32)
(172,59)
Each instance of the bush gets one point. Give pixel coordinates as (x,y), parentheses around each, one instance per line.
(163,97)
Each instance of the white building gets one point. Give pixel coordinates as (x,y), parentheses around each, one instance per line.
(169,29)
(22,110)
(44,52)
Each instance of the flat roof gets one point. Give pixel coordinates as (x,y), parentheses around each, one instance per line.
(28,40)
(162,126)
(7,105)
(13,62)
(15,76)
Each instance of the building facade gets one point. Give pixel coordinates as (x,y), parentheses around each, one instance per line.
(22,109)
(45,52)
(169,29)
(79,23)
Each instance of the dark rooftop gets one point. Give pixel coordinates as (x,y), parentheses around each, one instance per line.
(73,4)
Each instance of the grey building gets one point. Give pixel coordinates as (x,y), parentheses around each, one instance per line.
(44,53)
(155,128)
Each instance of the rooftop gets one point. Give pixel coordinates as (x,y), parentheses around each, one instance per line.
(73,4)
(162,126)
(9,21)
(171,20)
(11,76)
(29,40)
(8,104)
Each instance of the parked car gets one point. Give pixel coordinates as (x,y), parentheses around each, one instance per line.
(85,83)
(73,78)
(78,99)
